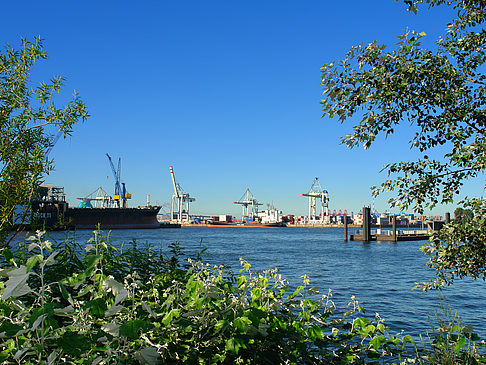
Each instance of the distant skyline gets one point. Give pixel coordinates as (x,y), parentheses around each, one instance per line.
(226,92)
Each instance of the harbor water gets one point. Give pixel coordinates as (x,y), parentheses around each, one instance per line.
(380,275)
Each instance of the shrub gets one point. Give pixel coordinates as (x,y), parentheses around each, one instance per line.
(101,305)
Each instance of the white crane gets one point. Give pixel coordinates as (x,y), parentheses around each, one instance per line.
(316,192)
(247,200)
(179,209)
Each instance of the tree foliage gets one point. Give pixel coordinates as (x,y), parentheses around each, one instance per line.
(28,120)
(439,92)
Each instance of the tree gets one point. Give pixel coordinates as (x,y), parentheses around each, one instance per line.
(440,93)
(28,120)
(461,213)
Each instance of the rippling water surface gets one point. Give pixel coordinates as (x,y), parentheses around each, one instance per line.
(380,274)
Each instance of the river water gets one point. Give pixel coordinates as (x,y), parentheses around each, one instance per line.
(380,274)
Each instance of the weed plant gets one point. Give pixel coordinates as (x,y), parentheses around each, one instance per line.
(96,304)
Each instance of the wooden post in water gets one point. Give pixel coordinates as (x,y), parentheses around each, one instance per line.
(447,218)
(394,224)
(366,224)
(345,228)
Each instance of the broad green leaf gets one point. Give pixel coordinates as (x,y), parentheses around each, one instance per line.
(459,344)
(91,261)
(234,344)
(32,261)
(50,260)
(16,285)
(73,343)
(111,328)
(148,355)
(97,307)
(174,313)
(130,329)
(47,310)
(377,341)
(8,329)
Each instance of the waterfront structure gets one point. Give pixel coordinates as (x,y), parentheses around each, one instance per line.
(314,194)
(179,209)
(249,204)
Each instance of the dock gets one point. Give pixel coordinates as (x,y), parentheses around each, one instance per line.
(393,235)
(387,235)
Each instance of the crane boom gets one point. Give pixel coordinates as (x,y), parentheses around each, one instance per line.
(176,192)
(116,174)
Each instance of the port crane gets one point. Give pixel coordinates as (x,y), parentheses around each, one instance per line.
(249,203)
(100,199)
(120,197)
(317,193)
(179,209)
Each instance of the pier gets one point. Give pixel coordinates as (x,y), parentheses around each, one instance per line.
(366,234)
(388,235)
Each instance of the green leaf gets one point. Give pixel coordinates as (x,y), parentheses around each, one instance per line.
(7,254)
(234,344)
(408,338)
(97,307)
(459,344)
(32,261)
(63,290)
(74,344)
(377,341)
(91,261)
(241,280)
(130,329)
(47,309)
(9,329)
(16,285)
(240,323)
(174,313)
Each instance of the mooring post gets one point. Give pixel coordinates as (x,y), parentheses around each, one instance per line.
(394,224)
(366,224)
(345,228)
(447,218)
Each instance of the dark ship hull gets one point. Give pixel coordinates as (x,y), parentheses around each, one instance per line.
(112,218)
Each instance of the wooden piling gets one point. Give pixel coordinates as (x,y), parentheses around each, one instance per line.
(366,224)
(447,218)
(394,223)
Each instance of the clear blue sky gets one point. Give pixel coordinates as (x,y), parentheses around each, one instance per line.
(225,91)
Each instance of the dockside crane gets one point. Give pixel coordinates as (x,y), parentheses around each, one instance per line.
(249,203)
(120,197)
(179,209)
(317,193)
(97,199)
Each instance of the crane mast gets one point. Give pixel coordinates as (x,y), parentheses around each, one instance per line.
(317,193)
(120,197)
(179,210)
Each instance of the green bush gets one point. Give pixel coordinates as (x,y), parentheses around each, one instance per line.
(100,305)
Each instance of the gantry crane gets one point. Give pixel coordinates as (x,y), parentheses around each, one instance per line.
(248,201)
(179,209)
(316,192)
(120,197)
(99,198)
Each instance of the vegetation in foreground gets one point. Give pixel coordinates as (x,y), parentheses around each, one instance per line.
(96,304)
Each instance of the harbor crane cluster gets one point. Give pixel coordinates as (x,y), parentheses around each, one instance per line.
(317,193)
(179,209)
(249,203)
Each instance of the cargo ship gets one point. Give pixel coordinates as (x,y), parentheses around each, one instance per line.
(113,218)
(49,210)
(246,224)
